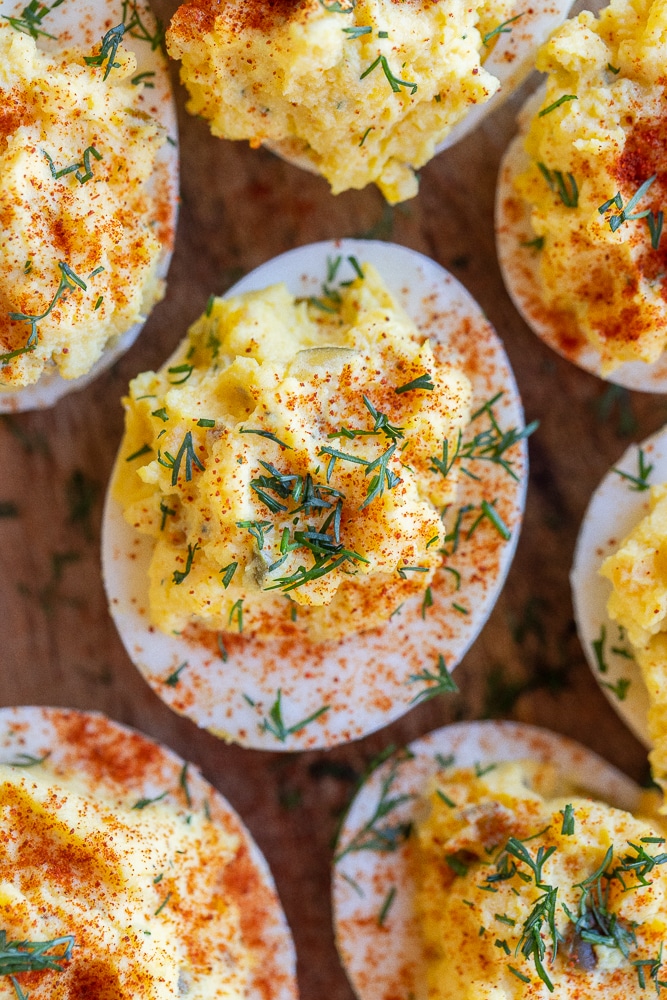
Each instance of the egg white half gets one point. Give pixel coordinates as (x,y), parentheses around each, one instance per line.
(520,263)
(384,959)
(613,511)
(130,766)
(75,24)
(367,680)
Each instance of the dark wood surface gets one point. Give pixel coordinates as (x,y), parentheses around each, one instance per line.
(58,644)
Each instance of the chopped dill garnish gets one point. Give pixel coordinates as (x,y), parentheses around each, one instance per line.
(275,724)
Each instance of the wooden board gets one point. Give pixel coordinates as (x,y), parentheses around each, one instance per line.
(58,644)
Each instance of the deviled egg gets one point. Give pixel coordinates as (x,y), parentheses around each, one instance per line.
(278,642)
(481,862)
(88,190)
(581,192)
(124,873)
(618,591)
(360,91)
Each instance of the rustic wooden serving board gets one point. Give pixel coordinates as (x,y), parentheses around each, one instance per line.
(57,643)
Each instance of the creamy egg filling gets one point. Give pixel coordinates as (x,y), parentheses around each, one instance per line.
(108,899)
(526,889)
(79,226)
(290,462)
(361,92)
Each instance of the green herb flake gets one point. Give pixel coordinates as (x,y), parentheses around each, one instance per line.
(174,677)
(228,573)
(638,482)
(28,760)
(143,803)
(440,682)
(598,650)
(180,575)
(184,370)
(536,244)
(421,382)
(145,78)
(502,29)
(275,724)
(357,30)
(237,612)
(427,602)
(339,6)
(144,450)
(567,829)
(620,688)
(386,906)
(454,862)
(183,785)
(394,82)
(627,213)
(29,23)
(564,186)
(69,282)
(162,904)
(266,434)
(85,173)
(108,50)
(375,835)
(186,451)
(33,956)
(563,99)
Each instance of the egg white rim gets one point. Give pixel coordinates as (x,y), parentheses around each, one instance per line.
(72,27)
(384,958)
(89,742)
(519,264)
(613,511)
(364,680)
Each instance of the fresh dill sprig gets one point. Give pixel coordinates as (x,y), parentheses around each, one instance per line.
(639,482)
(69,281)
(180,575)
(488,445)
(137,28)
(563,99)
(187,452)
(108,50)
(626,213)
(438,682)
(564,186)
(34,956)
(501,29)
(265,434)
(375,835)
(381,426)
(394,82)
(275,723)
(82,169)
(30,20)
(423,381)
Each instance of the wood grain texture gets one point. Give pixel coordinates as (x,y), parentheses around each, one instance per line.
(59,646)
